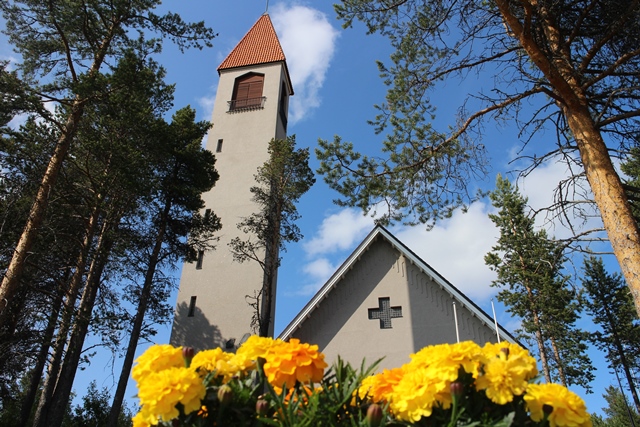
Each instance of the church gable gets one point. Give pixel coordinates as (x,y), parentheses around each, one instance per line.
(384,301)
(347,322)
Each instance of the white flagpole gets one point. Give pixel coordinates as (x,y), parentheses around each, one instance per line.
(495,320)
(455,316)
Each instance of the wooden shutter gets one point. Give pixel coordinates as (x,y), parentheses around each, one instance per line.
(248,91)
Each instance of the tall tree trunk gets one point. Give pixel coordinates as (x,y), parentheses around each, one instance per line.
(609,195)
(68,311)
(62,393)
(271,263)
(605,183)
(538,334)
(12,276)
(15,269)
(36,374)
(543,354)
(556,355)
(143,303)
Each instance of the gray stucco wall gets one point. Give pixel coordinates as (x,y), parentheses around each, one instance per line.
(222,285)
(340,324)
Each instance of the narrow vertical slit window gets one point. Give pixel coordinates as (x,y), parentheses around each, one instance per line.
(219,146)
(199,261)
(192,306)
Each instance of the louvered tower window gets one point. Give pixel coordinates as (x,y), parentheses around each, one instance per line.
(247,92)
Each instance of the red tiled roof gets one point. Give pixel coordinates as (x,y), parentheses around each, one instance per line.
(259,46)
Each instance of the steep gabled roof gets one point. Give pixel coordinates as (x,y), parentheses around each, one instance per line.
(259,46)
(381,232)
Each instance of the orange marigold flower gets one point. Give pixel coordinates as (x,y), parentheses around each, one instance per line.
(157,358)
(380,386)
(291,362)
(568,409)
(161,391)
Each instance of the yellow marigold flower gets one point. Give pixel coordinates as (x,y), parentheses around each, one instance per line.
(441,364)
(380,386)
(226,365)
(144,419)
(414,395)
(156,358)
(448,358)
(291,362)
(256,347)
(568,410)
(506,371)
(161,391)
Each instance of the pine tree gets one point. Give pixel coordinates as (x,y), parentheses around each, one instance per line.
(610,305)
(282,181)
(187,172)
(532,287)
(550,67)
(619,413)
(65,45)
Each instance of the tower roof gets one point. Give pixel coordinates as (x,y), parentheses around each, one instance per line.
(259,46)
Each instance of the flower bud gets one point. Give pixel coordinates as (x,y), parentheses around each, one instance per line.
(456,388)
(374,415)
(187,354)
(262,407)
(225,395)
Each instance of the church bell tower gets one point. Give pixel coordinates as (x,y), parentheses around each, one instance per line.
(250,109)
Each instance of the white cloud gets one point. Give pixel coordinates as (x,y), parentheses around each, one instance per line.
(317,272)
(206,103)
(308,40)
(319,268)
(339,232)
(456,247)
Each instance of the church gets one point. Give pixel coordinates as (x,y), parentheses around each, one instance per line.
(383,301)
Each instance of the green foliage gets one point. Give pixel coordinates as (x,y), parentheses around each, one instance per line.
(333,403)
(94,410)
(630,166)
(424,179)
(532,287)
(611,307)
(528,79)
(54,39)
(17,97)
(282,181)
(330,403)
(92,61)
(618,411)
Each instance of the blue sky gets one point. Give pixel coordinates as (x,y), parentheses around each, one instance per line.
(336,84)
